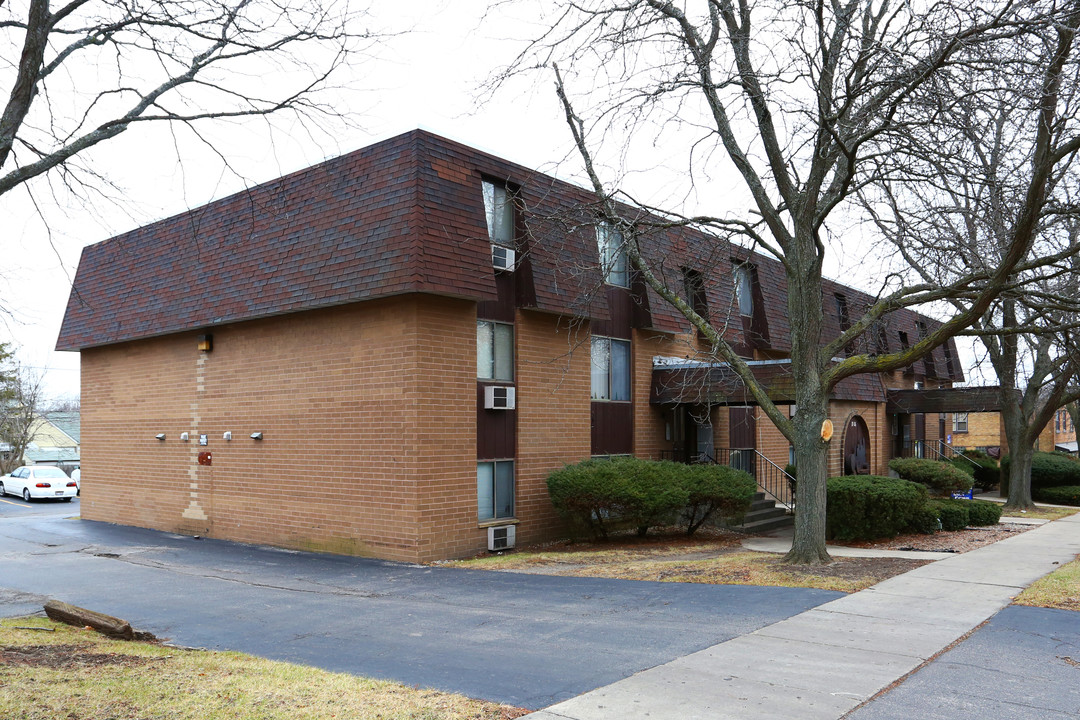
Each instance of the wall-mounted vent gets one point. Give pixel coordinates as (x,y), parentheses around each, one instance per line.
(503,258)
(503,537)
(499,397)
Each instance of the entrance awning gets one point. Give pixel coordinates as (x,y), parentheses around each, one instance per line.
(1069,447)
(677,381)
(944,400)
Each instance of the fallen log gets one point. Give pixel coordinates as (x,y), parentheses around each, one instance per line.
(81,617)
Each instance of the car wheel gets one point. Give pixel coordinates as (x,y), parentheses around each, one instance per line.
(2,493)
(26,494)
(66,499)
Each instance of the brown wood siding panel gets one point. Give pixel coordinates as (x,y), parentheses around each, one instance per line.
(502,309)
(496,430)
(612,428)
(620,313)
(742,430)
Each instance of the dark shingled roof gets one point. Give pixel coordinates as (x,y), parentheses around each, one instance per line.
(406,215)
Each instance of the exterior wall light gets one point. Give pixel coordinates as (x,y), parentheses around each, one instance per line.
(227,435)
(160,436)
(183,437)
(206,342)
(256,436)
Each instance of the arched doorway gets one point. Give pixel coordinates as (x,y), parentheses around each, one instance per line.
(856,447)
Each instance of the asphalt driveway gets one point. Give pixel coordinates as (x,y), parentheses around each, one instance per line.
(527,640)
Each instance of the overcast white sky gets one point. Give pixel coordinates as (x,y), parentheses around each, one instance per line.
(427,78)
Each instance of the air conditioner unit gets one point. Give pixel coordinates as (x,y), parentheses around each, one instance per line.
(499,397)
(503,537)
(503,258)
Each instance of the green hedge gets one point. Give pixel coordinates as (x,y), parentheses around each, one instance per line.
(714,491)
(981,467)
(941,478)
(1047,470)
(862,507)
(604,496)
(1060,495)
(959,514)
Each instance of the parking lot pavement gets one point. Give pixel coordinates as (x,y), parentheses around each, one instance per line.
(1024,664)
(527,640)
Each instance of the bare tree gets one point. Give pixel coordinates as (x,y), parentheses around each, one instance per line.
(20,395)
(976,171)
(802,100)
(85,71)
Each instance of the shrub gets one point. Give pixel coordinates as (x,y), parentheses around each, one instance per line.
(981,467)
(983,512)
(608,495)
(714,490)
(953,514)
(1060,495)
(940,477)
(925,520)
(1047,470)
(869,506)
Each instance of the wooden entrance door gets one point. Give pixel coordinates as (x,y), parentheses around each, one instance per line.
(856,447)
(742,437)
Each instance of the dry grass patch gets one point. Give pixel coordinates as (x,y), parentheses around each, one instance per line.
(718,559)
(1060,589)
(74,674)
(1045,513)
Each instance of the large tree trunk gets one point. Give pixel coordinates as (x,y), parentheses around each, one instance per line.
(811,459)
(1021,450)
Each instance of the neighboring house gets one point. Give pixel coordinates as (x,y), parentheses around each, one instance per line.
(55,441)
(986,431)
(387,353)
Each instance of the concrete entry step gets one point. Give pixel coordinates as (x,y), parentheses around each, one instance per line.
(764,516)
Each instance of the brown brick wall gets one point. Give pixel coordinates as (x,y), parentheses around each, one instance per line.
(984,430)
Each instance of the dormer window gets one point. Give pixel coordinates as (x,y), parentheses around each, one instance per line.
(743,290)
(612,250)
(499,208)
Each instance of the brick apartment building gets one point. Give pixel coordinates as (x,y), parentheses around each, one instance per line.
(387,353)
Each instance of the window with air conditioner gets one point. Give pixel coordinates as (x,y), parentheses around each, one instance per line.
(494,350)
(495,490)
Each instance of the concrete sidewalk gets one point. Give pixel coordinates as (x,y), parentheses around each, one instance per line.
(824,662)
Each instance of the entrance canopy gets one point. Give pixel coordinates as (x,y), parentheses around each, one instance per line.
(680,381)
(944,400)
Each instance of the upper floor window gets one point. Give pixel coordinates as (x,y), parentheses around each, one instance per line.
(960,422)
(499,208)
(744,290)
(610,369)
(494,350)
(612,248)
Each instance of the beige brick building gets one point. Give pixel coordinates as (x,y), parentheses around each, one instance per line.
(386,354)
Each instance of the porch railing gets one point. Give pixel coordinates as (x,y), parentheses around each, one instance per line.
(770,477)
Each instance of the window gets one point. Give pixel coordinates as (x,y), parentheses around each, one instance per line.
(694,292)
(494,350)
(881,338)
(928,360)
(949,370)
(743,290)
(494,490)
(960,422)
(499,208)
(844,320)
(610,369)
(609,242)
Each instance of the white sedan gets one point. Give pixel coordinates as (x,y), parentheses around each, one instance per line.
(38,481)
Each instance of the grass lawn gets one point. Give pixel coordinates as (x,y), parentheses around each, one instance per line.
(66,673)
(1046,513)
(1060,589)
(718,559)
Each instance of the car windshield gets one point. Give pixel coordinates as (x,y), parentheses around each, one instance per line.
(49,472)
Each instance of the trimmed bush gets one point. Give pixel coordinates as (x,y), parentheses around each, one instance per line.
(941,478)
(981,467)
(953,514)
(925,520)
(603,496)
(983,512)
(863,507)
(1061,495)
(1047,470)
(714,490)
